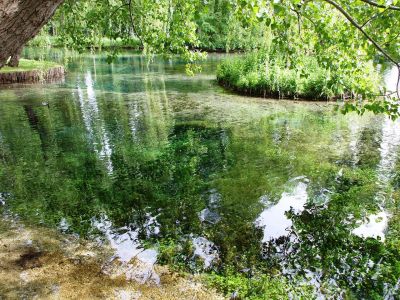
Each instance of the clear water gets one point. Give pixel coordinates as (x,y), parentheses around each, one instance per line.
(140,155)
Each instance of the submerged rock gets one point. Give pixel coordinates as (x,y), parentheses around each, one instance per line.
(63,226)
(127,295)
(142,269)
(130,258)
(57,276)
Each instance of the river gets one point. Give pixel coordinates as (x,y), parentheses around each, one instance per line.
(139,156)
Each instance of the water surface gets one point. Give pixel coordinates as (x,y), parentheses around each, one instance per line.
(141,156)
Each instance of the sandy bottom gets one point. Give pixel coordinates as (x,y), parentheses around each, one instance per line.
(37,263)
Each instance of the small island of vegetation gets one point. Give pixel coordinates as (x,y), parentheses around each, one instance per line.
(259,74)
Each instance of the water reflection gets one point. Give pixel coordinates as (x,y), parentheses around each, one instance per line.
(94,123)
(388,151)
(356,128)
(205,250)
(273,219)
(127,246)
(390,78)
(376,224)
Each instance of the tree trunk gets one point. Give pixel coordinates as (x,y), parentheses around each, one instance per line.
(20,21)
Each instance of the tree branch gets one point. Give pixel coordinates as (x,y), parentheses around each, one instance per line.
(359,27)
(374,17)
(368,37)
(117,9)
(392,7)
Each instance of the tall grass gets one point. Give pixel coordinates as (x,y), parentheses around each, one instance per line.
(258,74)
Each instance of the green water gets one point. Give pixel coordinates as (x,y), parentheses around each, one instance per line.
(142,156)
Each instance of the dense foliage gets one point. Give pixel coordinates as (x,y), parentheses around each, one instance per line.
(216,26)
(259,74)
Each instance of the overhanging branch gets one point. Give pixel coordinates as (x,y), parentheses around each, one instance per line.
(392,7)
(368,37)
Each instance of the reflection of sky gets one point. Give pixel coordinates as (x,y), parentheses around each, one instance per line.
(126,244)
(94,123)
(376,224)
(206,250)
(374,227)
(137,262)
(273,219)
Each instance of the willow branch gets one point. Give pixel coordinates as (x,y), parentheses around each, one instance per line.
(133,23)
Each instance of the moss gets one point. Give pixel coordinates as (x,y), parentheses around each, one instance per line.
(30,65)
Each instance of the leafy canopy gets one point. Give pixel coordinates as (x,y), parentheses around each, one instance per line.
(340,34)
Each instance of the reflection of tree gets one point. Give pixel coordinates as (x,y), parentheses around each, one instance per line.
(156,113)
(163,173)
(94,122)
(368,149)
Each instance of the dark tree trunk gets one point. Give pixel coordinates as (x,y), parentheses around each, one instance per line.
(20,21)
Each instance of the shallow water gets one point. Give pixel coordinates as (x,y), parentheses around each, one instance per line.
(141,156)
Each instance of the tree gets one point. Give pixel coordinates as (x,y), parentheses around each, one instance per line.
(20,21)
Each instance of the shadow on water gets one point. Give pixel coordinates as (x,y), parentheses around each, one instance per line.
(166,167)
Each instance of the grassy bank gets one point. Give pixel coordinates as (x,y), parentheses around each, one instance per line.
(26,65)
(258,74)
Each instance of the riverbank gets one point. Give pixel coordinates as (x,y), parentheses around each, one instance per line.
(39,262)
(31,71)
